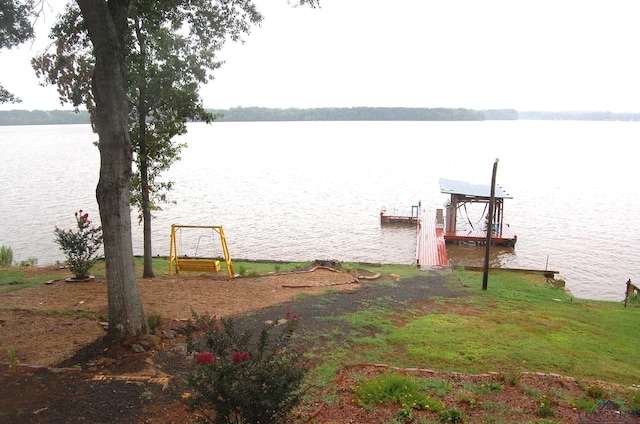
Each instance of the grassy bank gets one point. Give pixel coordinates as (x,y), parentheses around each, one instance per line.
(521,326)
(521,323)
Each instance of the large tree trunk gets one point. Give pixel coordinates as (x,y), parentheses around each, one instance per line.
(106,23)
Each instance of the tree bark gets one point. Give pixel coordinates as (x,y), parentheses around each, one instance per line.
(106,23)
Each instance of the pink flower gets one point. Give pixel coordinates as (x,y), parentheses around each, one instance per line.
(205,325)
(245,356)
(205,358)
(216,327)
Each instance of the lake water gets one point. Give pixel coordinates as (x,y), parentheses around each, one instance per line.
(299,191)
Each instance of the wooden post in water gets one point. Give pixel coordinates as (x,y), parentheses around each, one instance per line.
(492,202)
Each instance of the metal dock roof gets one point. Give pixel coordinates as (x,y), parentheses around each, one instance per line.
(473,190)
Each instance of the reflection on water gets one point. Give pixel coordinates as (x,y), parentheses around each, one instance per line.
(473,256)
(313,190)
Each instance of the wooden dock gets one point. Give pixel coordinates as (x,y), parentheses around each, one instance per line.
(431,249)
(396,218)
(432,239)
(503,236)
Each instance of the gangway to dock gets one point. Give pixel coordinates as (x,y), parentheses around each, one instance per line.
(431,248)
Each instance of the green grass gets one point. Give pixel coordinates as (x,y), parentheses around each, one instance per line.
(407,391)
(17,278)
(519,324)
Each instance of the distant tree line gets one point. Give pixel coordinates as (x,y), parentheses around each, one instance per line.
(249,114)
(350,114)
(43,117)
(252,114)
(580,116)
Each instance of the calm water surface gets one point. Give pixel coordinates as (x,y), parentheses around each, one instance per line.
(307,190)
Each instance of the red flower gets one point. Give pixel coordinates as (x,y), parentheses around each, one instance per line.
(205,325)
(237,356)
(205,358)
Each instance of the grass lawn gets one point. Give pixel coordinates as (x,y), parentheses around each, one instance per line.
(521,323)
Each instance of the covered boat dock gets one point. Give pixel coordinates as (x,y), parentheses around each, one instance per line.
(461,194)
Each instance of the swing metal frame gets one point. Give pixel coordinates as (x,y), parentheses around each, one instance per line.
(198,264)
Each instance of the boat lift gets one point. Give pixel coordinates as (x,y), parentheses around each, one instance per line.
(462,193)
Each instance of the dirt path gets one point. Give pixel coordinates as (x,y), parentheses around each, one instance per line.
(47,324)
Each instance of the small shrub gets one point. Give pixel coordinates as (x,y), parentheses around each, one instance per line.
(277,267)
(544,407)
(453,415)
(583,404)
(511,379)
(438,385)
(635,404)
(596,392)
(29,262)
(154,321)
(13,361)
(81,246)
(467,397)
(405,414)
(6,256)
(242,380)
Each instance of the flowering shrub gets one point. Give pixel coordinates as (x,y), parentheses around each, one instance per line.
(81,246)
(242,380)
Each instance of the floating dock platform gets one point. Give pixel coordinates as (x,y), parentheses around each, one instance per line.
(395,218)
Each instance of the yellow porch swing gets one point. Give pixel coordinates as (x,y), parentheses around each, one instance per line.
(198,264)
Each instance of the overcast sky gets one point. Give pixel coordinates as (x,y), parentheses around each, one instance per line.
(521,54)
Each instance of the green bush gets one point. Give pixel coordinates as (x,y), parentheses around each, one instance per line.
(240,378)
(6,256)
(596,392)
(81,246)
(154,321)
(29,262)
(453,415)
(545,408)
